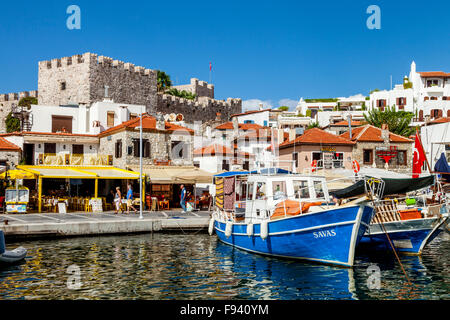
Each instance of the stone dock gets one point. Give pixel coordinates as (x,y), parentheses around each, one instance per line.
(44,225)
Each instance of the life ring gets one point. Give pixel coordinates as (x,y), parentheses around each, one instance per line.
(355,166)
(314,165)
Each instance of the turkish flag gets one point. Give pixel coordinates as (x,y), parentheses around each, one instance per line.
(419,157)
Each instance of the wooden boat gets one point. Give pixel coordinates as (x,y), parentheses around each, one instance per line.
(287,215)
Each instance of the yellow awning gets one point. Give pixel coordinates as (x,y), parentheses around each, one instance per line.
(17,174)
(70,172)
(174,174)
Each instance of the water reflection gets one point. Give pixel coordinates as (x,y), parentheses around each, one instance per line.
(162,266)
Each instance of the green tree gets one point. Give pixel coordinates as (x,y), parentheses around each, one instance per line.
(27,102)
(163,81)
(313,125)
(283,108)
(308,113)
(398,121)
(12,124)
(182,94)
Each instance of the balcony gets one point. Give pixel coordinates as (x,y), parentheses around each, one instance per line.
(434,89)
(65,159)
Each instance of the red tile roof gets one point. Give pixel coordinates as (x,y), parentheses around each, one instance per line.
(148,123)
(5,145)
(64,134)
(434,74)
(317,136)
(440,120)
(242,126)
(369,133)
(344,123)
(214,149)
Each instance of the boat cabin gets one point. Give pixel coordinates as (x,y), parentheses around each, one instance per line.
(254,197)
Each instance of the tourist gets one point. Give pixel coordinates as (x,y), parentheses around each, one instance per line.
(130,199)
(118,200)
(183,198)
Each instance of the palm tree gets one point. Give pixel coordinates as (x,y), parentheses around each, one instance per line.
(163,81)
(397,121)
(313,125)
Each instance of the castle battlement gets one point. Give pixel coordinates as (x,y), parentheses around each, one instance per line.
(17,96)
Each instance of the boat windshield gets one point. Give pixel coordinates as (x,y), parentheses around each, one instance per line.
(301,190)
(279,190)
(318,188)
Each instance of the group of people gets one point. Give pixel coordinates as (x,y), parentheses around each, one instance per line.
(117,199)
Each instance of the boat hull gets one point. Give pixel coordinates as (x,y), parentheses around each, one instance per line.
(328,236)
(408,236)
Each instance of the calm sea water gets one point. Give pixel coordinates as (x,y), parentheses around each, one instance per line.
(198,266)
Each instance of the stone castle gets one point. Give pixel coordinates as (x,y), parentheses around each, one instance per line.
(88,78)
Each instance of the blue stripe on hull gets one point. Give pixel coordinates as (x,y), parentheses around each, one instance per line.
(322,236)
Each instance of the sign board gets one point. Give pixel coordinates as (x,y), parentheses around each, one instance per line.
(16,208)
(62,208)
(97,205)
(328,149)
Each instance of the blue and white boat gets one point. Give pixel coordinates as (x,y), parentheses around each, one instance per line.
(289,216)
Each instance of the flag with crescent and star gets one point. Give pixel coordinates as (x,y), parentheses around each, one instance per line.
(419,157)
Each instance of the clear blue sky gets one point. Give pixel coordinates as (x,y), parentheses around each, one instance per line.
(266,50)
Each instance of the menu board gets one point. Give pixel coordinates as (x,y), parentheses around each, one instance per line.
(97,205)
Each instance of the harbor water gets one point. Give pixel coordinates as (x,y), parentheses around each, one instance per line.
(198,266)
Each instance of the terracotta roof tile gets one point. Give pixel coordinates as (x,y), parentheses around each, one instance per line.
(242,126)
(249,112)
(344,123)
(5,145)
(369,133)
(317,136)
(440,120)
(434,74)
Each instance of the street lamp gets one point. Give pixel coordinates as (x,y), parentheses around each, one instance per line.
(140,168)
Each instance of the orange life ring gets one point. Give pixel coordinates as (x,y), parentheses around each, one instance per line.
(355,166)
(314,165)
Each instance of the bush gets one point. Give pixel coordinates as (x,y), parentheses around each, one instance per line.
(27,102)
(12,124)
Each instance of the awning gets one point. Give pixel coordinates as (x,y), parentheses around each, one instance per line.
(174,174)
(71,172)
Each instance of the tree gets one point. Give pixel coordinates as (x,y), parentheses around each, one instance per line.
(313,125)
(397,121)
(182,94)
(12,124)
(27,102)
(283,108)
(163,81)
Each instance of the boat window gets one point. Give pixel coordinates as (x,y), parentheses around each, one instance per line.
(250,191)
(260,190)
(319,189)
(301,189)
(279,190)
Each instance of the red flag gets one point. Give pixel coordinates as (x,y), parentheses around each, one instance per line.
(419,157)
(210,66)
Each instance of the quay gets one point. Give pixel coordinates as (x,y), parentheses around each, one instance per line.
(48,225)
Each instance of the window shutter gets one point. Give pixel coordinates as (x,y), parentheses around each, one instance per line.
(147,149)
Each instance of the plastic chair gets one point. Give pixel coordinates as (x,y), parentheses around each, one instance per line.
(87,205)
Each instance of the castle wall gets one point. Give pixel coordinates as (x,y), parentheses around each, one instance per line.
(200,88)
(82,79)
(202,109)
(6,103)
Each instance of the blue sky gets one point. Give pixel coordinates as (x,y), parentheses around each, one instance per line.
(267,51)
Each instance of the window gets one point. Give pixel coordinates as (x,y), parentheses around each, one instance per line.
(77,149)
(301,189)
(62,124)
(295,158)
(401,158)
(110,119)
(63,86)
(250,191)
(225,165)
(246,165)
(367,156)
(279,190)
(50,148)
(196,164)
(432,83)
(118,148)
(260,190)
(249,121)
(136,148)
(318,188)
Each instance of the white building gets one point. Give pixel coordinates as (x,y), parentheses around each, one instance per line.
(435,138)
(426,94)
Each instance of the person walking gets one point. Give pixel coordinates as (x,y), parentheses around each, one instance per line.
(118,200)
(183,198)
(130,199)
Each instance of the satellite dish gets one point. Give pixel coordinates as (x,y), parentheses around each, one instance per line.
(166,117)
(172,117)
(180,117)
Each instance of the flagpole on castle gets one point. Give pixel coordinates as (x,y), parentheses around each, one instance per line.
(210,72)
